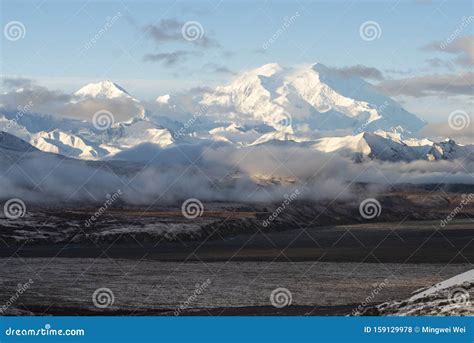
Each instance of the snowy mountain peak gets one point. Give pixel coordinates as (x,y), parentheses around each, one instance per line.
(312,106)
(266,69)
(309,98)
(103,89)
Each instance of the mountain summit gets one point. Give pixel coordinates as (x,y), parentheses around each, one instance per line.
(310,97)
(311,106)
(103,89)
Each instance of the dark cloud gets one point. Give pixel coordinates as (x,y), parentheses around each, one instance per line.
(37,99)
(224,70)
(19,82)
(439,63)
(399,71)
(462,47)
(170,58)
(169,30)
(219,69)
(200,90)
(430,85)
(166,30)
(361,71)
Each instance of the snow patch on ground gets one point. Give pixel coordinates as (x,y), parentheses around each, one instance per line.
(452,297)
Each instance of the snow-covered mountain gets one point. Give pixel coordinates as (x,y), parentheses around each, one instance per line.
(376,146)
(79,138)
(127,135)
(107,95)
(239,135)
(104,89)
(309,98)
(91,145)
(370,145)
(311,106)
(67,144)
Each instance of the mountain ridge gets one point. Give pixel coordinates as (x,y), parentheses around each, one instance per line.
(102,89)
(312,97)
(314,106)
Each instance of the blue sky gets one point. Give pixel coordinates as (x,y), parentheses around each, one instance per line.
(56,32)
